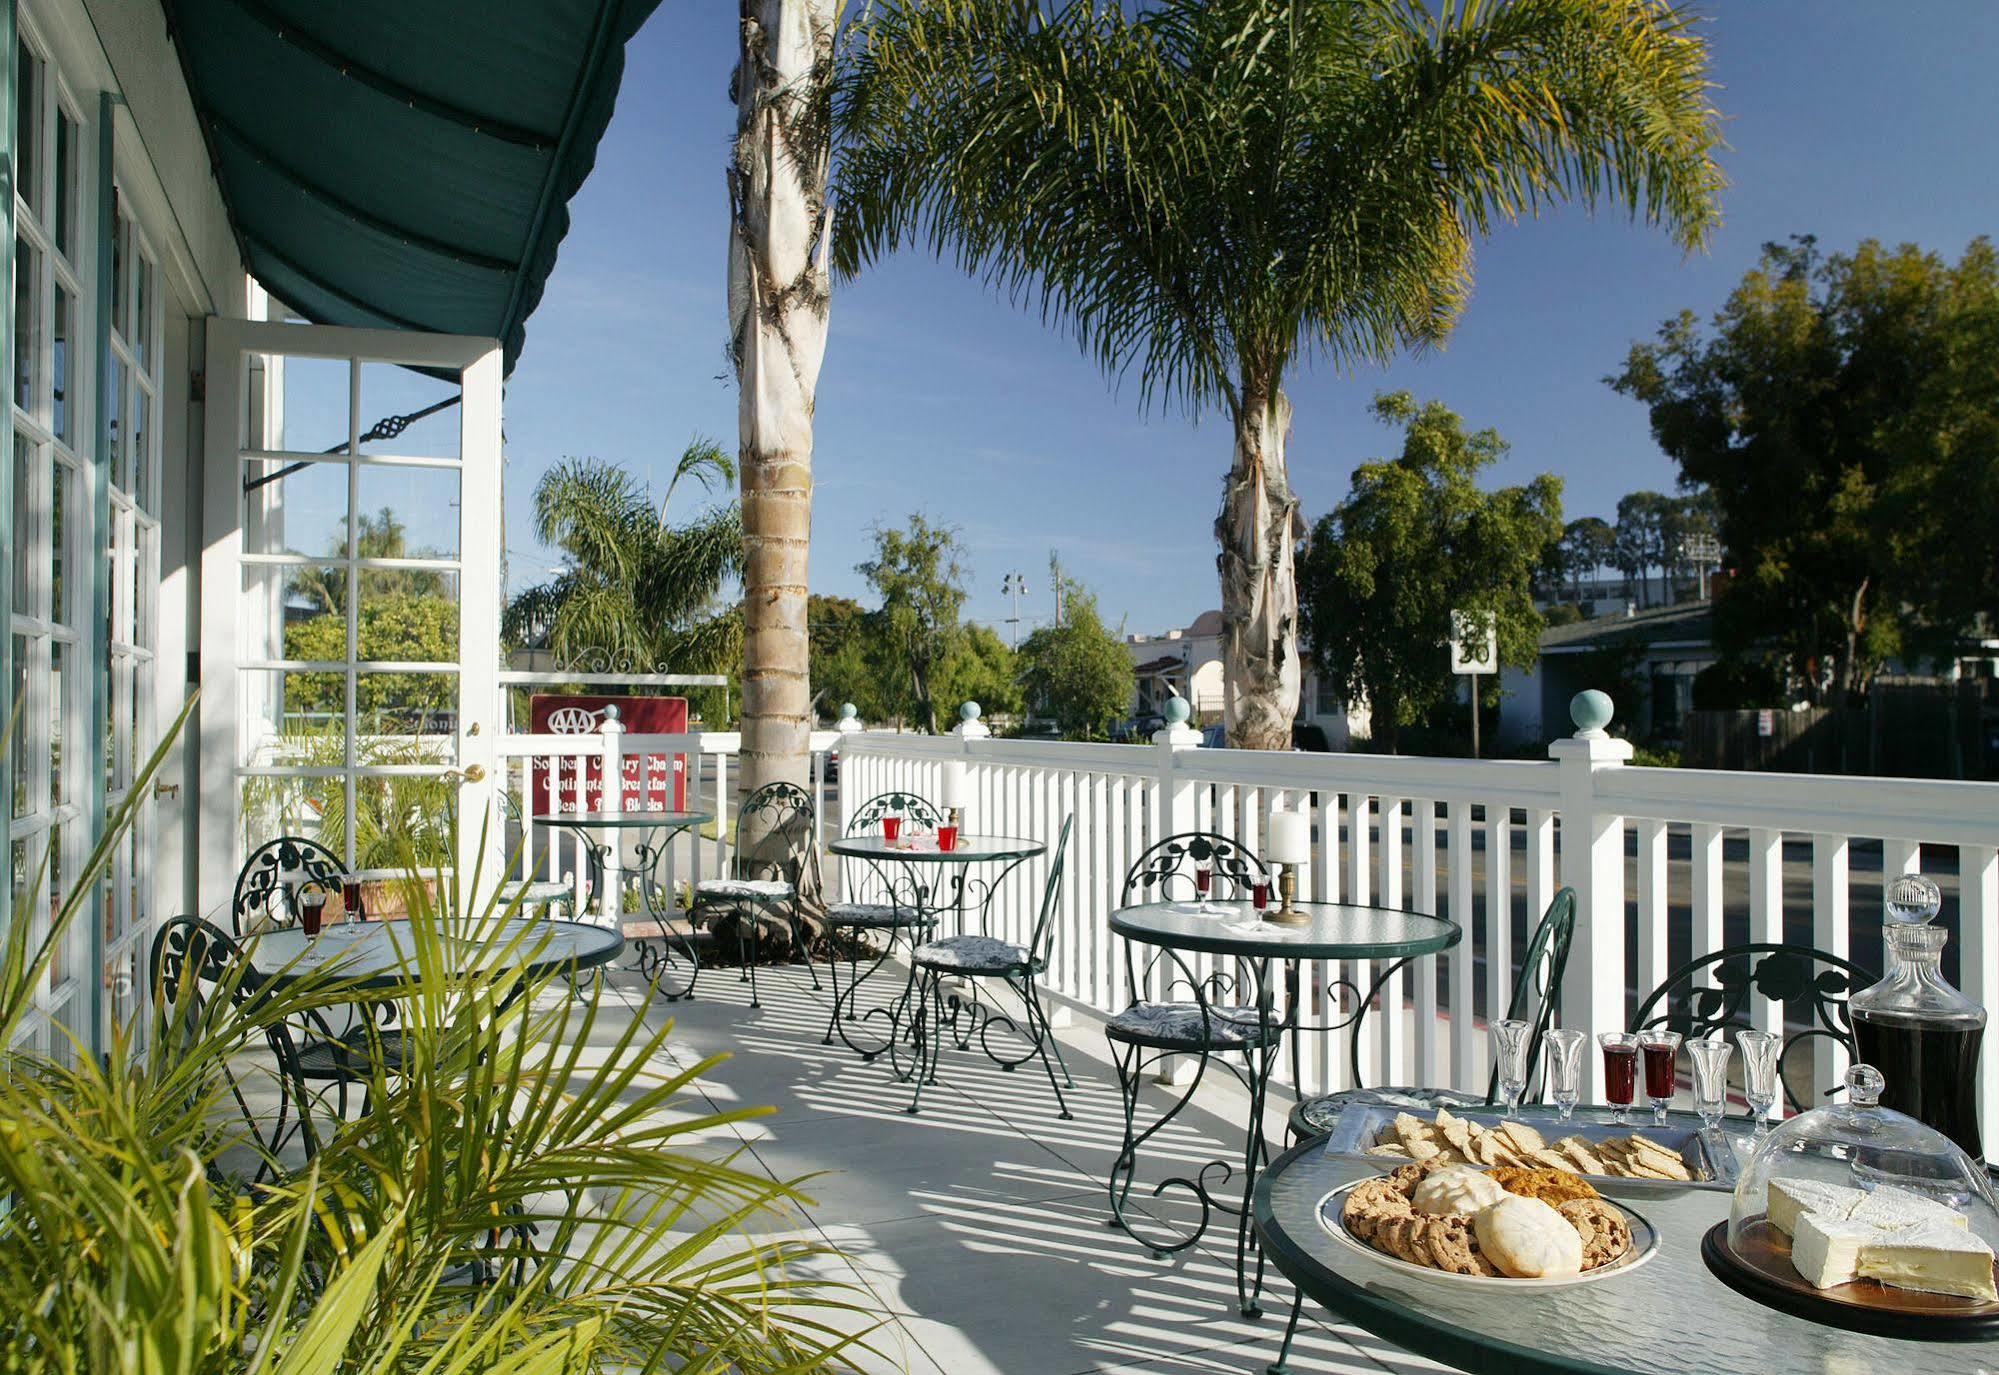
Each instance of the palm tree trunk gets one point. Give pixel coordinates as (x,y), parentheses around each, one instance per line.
(778,294)
(1259,586)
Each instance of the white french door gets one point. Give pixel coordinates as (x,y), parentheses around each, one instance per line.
(350,597)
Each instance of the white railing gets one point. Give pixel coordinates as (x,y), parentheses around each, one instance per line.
(543,850)
(1487,844)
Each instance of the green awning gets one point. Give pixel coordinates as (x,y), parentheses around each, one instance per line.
(404,164)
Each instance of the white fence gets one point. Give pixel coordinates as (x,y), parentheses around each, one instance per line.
(547,851)
(1667,864)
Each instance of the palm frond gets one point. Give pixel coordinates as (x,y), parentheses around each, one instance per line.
(1199,189)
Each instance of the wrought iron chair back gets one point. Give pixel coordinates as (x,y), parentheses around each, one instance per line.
(1042,941)
(1709,995)
(1165,871)
(267,886)
(870,881)
(588,849)
(779,817)
(1537,988)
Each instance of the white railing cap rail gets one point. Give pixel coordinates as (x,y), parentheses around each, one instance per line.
(1945,812)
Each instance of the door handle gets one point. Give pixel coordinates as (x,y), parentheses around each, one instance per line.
(471,773)
(166,790)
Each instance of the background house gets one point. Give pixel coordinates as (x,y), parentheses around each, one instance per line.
(1188,663)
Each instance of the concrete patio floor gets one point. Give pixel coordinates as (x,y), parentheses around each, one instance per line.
(977,1228)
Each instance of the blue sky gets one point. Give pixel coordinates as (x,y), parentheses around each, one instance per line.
(1846,119)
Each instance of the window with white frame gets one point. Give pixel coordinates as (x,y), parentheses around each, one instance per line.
(132,429)
(52,527)
(348,623)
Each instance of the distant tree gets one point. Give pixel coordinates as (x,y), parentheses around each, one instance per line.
(1587,545)
(980,668)
(1640,539)
(842,634)
(921,582)
(1416,539)
(396,627)
(1078,673)
(323,587)
(1208,193)
(633,587)
(1843,412)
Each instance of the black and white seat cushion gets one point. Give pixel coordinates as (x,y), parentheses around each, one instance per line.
(972,955)
(873,916)
(754,889)
(1170,1026)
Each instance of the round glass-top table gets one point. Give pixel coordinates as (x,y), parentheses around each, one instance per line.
(1235,1021)
(1336,931)
(380,954)
(928,898)
(650,961)
(1668,1318)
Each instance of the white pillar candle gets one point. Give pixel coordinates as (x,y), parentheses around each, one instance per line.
(1290,838)
(951,789)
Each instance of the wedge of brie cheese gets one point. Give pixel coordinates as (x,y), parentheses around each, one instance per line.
(1789,1198)
(1934,1257)
(1826,1250)
(1893,1208)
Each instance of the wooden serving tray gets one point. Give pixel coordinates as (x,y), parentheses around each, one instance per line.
(1760,1267)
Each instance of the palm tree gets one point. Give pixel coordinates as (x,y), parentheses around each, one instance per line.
(778,294)
(1205,191)
(633,588)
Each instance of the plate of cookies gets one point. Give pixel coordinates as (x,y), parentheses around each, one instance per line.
(1508,1226)
(1678,1155)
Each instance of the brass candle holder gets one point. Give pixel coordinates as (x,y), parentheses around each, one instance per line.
(1287,912)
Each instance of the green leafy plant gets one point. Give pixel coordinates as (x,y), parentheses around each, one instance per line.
(522,1196)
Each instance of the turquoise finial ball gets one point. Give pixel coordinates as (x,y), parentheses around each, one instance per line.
(969,712)
(1177,711)
(848,709)
(1591,709)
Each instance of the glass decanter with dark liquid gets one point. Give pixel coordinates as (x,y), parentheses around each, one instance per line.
(1921,1033)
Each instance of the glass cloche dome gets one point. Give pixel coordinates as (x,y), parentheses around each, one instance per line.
(1857,1204)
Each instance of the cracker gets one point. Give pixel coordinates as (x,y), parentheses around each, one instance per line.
(1521,1137)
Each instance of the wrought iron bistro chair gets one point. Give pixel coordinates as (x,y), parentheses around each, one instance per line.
(1705,996)
(766,876)
(267,886)
(1537,990)
(905,914)
(1200,1024)
(194,962)
(989,957)
(543,897)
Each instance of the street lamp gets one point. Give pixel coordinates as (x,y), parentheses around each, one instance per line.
(1015,586)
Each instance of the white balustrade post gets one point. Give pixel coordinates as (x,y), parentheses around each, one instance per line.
(848,724)
(1593,865)
(1175,814)
(611,798)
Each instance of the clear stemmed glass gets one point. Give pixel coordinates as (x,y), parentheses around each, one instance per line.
(1710,1056)
(1762,1055)
(1662,1053)
(1620,1073)
(1565,1068)
(1510,1037)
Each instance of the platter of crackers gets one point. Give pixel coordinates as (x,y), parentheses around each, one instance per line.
(1506,1226)
(1673,1156)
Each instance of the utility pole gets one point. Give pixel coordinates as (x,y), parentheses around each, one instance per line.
(1014,585)
(1055,577)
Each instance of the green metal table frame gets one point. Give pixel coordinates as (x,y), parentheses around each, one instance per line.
(1337,931)
(648,961)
